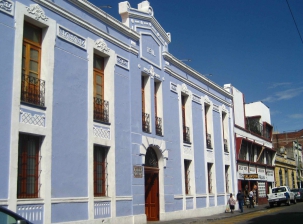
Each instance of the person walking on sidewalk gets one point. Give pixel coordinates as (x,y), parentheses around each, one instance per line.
(240,198)
(251,199)
(231,201)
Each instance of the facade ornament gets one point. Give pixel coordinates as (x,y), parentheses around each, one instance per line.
(151,72)
(37,12)
(101,45)
(184,88)
(206,99)
(7,6)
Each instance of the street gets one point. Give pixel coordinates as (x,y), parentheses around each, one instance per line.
(284,214)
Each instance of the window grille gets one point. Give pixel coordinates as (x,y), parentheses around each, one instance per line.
(100,171)
(187,176)
(208,141)
(101,110)
(186,134)
(225,145)
(28,166)
(145,122)
(159,126)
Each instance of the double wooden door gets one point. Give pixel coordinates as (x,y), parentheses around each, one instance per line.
(152,194)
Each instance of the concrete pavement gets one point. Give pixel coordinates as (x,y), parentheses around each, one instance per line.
(207,219)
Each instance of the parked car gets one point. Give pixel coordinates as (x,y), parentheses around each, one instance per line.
(298,193)
(280,195)
(9,217)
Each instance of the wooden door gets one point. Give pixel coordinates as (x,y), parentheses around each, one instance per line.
(152,194)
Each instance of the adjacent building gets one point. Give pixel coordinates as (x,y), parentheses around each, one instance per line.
(255,155)
(289,168)
(100,123)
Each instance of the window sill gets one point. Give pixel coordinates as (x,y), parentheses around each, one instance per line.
(30,200)
(102,198)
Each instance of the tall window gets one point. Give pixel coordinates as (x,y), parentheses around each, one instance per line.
(145,116)
(293,179)
(227,178)
(100,105)
(286,177)
(243,150)
(251,152)
(100,171)
(186,133)
(158,118)
(187,176)
(207,128)
(281,177)
(32,88)
(28,166)
(224,131)
(210,177)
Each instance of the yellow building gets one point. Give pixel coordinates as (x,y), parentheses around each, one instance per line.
(285,169)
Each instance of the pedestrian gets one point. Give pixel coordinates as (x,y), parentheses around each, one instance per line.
(240,198)
(251,199)
(231,201)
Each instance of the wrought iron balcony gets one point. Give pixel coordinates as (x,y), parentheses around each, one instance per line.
(186,134)
(208,141)
(145,122)
(101,110)
(257,128)
(225,145)
(32,90)
(158,126)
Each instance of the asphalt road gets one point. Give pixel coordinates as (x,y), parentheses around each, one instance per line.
(284,214)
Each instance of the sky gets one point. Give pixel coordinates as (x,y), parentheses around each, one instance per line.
(252,44)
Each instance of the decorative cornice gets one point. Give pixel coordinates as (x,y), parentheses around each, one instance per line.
(167,56)
(106,18)
(136,14)
(199,88)
(77,20)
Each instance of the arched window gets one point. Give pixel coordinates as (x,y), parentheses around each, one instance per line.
(151,159)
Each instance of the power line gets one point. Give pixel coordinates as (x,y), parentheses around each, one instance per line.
(294,21)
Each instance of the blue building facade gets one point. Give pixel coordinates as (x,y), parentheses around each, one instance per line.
(100,123)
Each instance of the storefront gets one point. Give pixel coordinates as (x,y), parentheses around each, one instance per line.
(256,178)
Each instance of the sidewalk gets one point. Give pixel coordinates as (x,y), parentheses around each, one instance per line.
(206,219)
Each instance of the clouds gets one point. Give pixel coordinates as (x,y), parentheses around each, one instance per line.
(295,116)
(279,84)
(284,94)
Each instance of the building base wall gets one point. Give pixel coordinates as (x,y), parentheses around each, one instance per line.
(192,213)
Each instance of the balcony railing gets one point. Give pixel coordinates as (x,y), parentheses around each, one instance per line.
(258,128)
(225,145)
(32,90)
(101,110)
(255,127)
(208,141)
(145,122)
(159,126)
(186,134)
